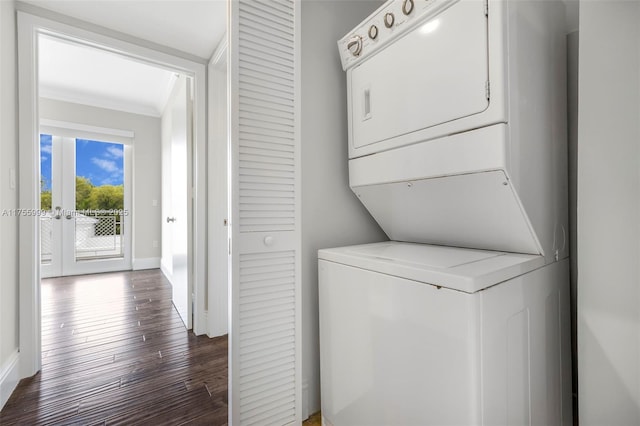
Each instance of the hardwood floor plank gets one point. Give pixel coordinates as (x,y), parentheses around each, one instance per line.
(115,351)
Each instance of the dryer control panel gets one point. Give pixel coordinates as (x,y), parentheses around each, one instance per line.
(389,22)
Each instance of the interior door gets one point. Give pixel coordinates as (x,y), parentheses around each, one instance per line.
(85,224)
(265,364)
(218,196)
(177,131)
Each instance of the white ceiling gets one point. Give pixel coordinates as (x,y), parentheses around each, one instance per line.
(76,73)
(192,26)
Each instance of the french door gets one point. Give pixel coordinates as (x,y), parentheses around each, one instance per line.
(84,199)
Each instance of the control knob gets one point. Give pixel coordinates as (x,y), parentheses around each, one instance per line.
(407,7)
(373,32)
(355,45)
(389,19)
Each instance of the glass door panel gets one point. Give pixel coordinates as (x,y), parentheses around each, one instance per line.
(47,213)
(99,200)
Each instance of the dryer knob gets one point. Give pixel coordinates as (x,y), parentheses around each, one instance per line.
(407,7)
(373,32)
(389,19)
(355,45)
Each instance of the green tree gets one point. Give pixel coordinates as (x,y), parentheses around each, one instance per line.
(45,200)
(45,195)
(107,197)
(84,188)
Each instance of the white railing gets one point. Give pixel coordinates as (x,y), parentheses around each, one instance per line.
(98,235)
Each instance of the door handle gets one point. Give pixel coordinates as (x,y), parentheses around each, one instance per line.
(171,219)
(57,215)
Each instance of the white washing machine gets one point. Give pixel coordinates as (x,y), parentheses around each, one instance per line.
(457,147)
(416,334)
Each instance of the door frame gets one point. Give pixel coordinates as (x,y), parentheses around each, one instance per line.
(29,28)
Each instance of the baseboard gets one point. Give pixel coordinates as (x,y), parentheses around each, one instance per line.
(145,263)
(165,270)
(200,325)
(9,377)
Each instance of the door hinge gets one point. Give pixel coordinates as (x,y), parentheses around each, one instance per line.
(486,7)
(487,89)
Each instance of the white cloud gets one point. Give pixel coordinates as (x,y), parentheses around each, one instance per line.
(44,158)
(114,178)
(107,181)
(106,165)
(115,151)
(46,148)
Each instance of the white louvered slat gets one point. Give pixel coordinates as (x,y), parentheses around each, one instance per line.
(265,364)
(282,78)
(267,122)
(282,15)
(253,58)
(253,17)
(264,179)
(275,45)
(267,339)
(265,107)
(252,137)
(272,148)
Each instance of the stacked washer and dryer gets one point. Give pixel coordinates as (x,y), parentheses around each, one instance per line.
(457,147)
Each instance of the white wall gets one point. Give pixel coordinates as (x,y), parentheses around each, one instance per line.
(608,213)
(8,196)
(146,166)
(331,214)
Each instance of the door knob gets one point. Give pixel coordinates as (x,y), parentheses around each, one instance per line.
(171,219)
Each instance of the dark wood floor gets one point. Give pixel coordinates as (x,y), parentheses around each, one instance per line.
(114,351)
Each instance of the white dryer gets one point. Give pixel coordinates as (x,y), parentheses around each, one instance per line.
(457,147)
(457,122)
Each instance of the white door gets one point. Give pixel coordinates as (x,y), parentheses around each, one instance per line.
(85,224)
(265,364)
(176,190)
(218,195)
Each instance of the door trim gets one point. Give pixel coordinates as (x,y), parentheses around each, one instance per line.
(29,27)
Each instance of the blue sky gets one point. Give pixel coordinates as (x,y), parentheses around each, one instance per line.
(101,162)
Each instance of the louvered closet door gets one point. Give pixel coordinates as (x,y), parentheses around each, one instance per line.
(265,332)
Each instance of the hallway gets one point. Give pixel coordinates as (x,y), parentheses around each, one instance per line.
(115,351)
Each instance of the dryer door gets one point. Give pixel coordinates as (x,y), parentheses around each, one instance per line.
(436,73)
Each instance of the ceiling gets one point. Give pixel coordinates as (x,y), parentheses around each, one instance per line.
(192,26)
(76,73)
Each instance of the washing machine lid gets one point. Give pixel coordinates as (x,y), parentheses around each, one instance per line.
(467,270)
